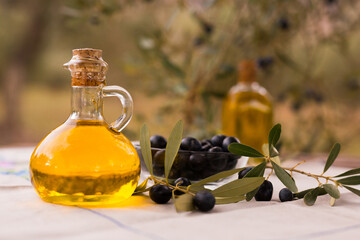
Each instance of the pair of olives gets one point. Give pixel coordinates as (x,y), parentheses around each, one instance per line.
(161,194)
(265,190)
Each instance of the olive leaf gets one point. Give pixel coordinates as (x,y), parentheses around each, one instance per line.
(274,136)
(354,180)
(276,160)
(353,190)
(311,196)
(274,156)
(332,190)
(332,201)
(301,194)
(350,172)
(146,147)
(195,189)
(284,177)
(332,156)
(227,200)
(273,152)
(257,171)
(141,187)
(170,181)
(244,150)
(251,194)
(238,187)
(172,146)
(184,203)
(215,177)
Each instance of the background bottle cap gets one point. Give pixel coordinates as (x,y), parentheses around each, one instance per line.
(247,71)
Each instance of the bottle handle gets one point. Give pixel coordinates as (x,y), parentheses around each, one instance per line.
(127,105)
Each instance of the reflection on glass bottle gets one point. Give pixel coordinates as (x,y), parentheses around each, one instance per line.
(247,109)
(85,161)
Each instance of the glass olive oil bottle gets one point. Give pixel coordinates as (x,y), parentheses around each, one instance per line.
(86,161)
(247,109)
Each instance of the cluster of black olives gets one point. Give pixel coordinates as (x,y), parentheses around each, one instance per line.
(161,194)
(196,159)
(265,190)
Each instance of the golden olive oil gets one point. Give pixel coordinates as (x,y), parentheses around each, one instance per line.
(83,163)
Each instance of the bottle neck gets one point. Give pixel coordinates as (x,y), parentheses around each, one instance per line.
(247,77)
(247,72)
(86,103)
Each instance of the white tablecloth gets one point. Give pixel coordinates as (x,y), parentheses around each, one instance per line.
(23,215)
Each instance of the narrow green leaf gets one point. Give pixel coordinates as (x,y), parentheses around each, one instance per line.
(301,194)
(276,160)
(332,201)
(184,203)
(216,177)
(146,147)
(265,149)
(195,189)
(311,196)
(173,146)
(354,180)
(353,190)
(238,187)
(141,187)
(226,200)
(274,155)
(332,190)
(332,156)
(273,152)
(257,171)
(284,177)
(244,150)
(350,172)
(251,194)
(274,136)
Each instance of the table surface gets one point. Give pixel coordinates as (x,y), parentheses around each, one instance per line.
(23,215)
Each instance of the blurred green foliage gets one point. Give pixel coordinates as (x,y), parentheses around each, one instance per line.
(188,51)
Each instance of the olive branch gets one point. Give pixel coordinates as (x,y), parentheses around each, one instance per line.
(246,187)
(285,175)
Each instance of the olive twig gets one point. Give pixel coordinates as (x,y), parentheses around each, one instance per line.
(272,170)
(315,176)
(158,181)
(291,170)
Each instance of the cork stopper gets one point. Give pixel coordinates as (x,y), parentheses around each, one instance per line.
(87,67)
(247,71)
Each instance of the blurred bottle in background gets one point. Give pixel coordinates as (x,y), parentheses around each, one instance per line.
(247,109)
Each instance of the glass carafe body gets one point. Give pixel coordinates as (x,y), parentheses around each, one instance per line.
(85,161)
(247,109)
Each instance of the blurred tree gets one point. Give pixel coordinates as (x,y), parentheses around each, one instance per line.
(190,54)
(18,59)
(188,51)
